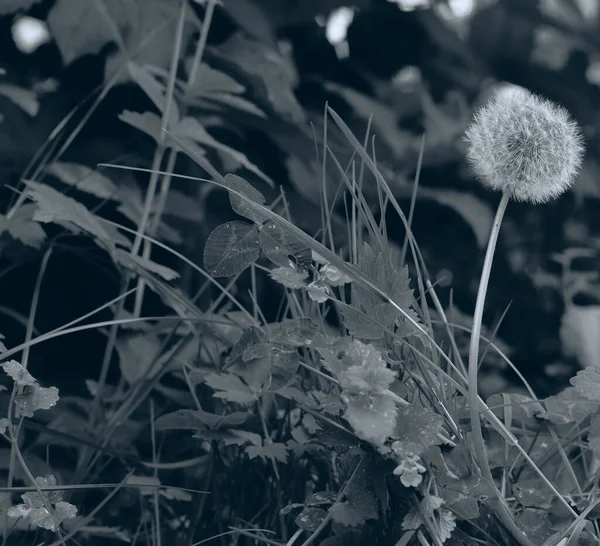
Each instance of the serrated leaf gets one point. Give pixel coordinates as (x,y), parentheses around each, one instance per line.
(18,373)
(79,28)
(360,501)
(230,388)
(147,122)
(22,227)
(523,409)
(274,451)
(272,75)
(587,383)
(83,178)
(372,417)
(231,248)
(148,35)
(53,206)
(238,204)
(212,81)
(35,398)
(139,264)
(191,128)
(289,277)
(155,91)
(251,336)
(360,325)
(568,406)
(186,419)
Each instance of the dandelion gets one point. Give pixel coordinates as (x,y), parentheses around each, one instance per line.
(525,144)
(530,149)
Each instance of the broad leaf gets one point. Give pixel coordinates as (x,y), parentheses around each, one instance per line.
(83,178)
(293,332)
(239,205)
(272,75)
(137,354)
(22,227)
(587,383)
(191,128)
(53,206)
(186,419)
(278,246)
(273,451)
(231,388)
(231,248)
(417,428)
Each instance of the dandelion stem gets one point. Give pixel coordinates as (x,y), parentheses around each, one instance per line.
(503,511)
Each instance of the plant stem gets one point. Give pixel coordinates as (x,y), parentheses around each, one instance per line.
(503,511)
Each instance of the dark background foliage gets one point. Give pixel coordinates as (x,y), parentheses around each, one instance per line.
(498,45)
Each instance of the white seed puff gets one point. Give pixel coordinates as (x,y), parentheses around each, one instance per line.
(522,142)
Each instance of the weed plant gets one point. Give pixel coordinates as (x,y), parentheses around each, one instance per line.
(352,419)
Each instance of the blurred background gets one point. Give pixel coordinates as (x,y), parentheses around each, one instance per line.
(412,67)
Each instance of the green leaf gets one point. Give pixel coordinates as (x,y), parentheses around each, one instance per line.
(278,245)
(137,355)
(289,277)
(83,178)
(35,398)
(594,435)
(310,518)
(417,428)
(25,99)
(293,332)
(274,451)
(230,388)
(360,501)
(191,129)
(362,326)
(587,383)
(372,417)
(231,248)
(273,76)
(238,204)
(210,81)
(251,336)
(568,406)
(79,28)
(141,265)
(187,419)
(155,91)
(21,226)
(55,207)
(18,373)
(147,122)
(384,118)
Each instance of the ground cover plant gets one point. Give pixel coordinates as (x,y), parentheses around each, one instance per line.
(278,373)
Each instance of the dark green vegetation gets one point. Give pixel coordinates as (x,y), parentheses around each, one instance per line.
(204,248)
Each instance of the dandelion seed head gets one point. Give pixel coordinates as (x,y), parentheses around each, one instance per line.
(525,143)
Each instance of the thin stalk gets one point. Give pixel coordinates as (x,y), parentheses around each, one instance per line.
(503,511)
